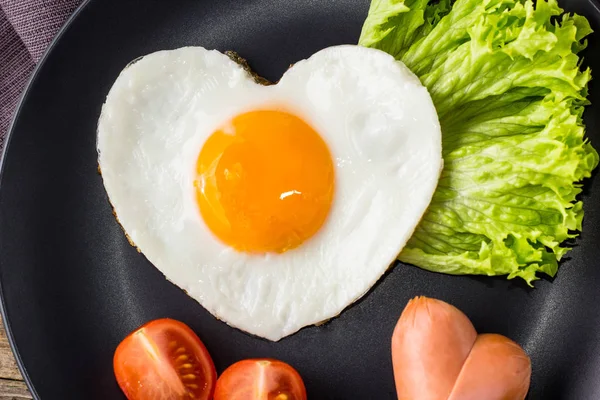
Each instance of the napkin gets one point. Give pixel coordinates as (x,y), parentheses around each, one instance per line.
(26,29)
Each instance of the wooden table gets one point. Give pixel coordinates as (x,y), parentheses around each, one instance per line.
(12,386)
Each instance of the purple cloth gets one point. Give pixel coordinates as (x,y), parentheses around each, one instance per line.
(26,29)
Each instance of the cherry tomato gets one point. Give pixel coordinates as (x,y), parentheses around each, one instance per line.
(164,360)
(260,379)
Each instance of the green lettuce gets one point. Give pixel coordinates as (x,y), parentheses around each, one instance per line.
(507,83)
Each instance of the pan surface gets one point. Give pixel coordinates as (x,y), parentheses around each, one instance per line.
(72,287)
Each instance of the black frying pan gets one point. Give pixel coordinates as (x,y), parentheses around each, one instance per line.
(72,287)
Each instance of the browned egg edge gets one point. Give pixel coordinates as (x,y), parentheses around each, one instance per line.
(242,62)
(114,212)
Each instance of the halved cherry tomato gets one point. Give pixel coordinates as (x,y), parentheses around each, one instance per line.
(164,360)
(260,379)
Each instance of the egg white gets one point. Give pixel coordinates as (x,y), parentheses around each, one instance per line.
(380,126)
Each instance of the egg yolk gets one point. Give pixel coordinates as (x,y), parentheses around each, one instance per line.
(265,182)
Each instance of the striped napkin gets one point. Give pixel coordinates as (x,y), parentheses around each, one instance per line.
(26,29)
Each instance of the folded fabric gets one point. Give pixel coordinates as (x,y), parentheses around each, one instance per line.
(26,29)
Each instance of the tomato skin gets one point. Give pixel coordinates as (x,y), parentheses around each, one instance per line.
(164,360)
(260,379)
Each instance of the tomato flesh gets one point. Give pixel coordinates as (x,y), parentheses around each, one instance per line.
(164,360)
(260,379)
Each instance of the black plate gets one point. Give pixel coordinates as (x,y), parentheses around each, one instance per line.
(72,287)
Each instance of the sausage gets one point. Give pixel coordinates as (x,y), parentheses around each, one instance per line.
(430,344)
(437,355)
(497,368)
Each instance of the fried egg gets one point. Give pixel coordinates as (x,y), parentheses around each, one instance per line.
(275,207)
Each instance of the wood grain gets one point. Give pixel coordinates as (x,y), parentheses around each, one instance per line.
(13,390)
(12,386)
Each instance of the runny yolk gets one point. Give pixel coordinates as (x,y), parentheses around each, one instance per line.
(265,182)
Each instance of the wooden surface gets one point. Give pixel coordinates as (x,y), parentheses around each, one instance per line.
(12,386)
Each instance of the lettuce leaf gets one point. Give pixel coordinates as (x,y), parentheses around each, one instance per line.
(507,83)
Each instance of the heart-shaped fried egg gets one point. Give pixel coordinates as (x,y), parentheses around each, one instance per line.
(274,206)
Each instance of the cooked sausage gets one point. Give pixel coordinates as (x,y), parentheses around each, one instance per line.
(437,355)
(430,344)
(497,369)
